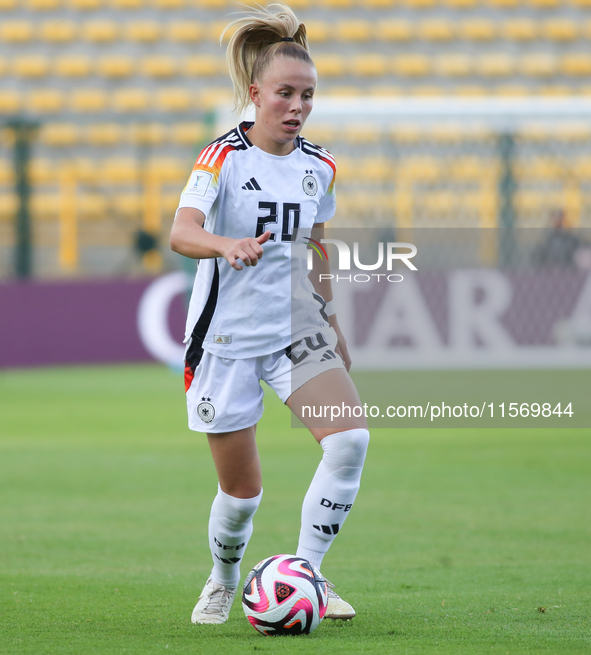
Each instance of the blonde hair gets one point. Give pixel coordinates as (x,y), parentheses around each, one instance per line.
(257,41)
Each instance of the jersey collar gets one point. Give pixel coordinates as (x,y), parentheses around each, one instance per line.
(246,125)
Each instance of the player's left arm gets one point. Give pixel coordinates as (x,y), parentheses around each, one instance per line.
(324,288)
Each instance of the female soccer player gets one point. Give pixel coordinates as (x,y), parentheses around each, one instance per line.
(252,192)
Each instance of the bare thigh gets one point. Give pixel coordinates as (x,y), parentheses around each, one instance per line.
(331,388)
(237,462)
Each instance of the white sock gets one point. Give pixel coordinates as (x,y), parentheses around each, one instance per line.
(332,492)
(230,528)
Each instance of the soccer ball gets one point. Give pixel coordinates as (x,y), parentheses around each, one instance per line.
(284,595)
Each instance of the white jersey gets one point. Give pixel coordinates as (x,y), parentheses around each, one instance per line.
(244,191)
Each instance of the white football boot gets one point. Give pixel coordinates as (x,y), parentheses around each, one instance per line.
(337,608)
(214,604)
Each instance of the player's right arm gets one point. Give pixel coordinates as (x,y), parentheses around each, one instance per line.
(188,238)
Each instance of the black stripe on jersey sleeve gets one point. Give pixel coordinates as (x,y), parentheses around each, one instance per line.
(195,350)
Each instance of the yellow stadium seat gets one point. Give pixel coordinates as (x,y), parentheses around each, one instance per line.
(377,4)
(561,90)
(411,65)
(513,90)
(10,101)
(3,66)
(354,30)
(376,169)
(343,90)
(504,4)
(420,4)
(395,30)
(461,4)
(169,4)
(318,31)
(127,4)
(189,134)
(545,4)
(576,64)
(204,65)
(144,31)
(43,171)
(119,170)
(7,5)
(370,65)
(447,133)
(85,5)
(322,134)
(68,66)
(300,4)
(43,5)
(214,31)
(385,90)
(331,65)
(31,66)
(584,4)
(362,133)
(470,90)
(59,134)
(436,30)
(147,134)
(572,131)
(88,100)
(101,31)
(127,205)
(560,29)
(16,31)
(427,90)
(104,134)
(520,29)
(212,4)
(169,169)
(46,100)
(45,205)
(421,168)
(541,64)
(159,66)
(58,31)
(92,206)
(174,100)
(116,66)
(211,97)
(184,31)
(495,65)
(336,4)
(8,206)
(128,100)
(454,65)
(478,29)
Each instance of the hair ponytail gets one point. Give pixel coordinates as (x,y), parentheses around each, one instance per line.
(256,42)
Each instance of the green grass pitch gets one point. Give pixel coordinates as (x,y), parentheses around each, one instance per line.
(461,541)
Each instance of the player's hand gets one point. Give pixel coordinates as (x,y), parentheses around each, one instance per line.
(248,250)
(341,348)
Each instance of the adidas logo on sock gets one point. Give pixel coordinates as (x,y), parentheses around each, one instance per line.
(252,185)
(327,529)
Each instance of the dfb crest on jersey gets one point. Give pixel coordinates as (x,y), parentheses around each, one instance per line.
(310,185)
(205,410)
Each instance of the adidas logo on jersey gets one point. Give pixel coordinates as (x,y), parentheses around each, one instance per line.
(328,354)
(252,185)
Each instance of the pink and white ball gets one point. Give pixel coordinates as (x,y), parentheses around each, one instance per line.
(284,595)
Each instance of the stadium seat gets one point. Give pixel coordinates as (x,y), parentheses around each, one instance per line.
(169,4)
(300,4)
(369,65)
(411,65)
(478,29)
(7,5)
(495,65)
(59,134)
(461,4)
(45,206)
(336,4)
(8,206)
(190,134)
(169,169)
(363,133)
(16,31)
(143,31)
(377,4)
(583,4)
(104,134)
(147,134)
(43,5)
(322,134)
(204,65)
(545,4)
(31,66)
(520,29)
(560,29)
(395,30)
(436,30)
(576,64)
(43,171)
(504,4)
(470,90)
(211,97)
(512,90)
(116,66)
(421,168)
(86,5)
(46,101)
(174,99)
(342,90)
(427,90)
(318,31)
(184,31)
(100,31)
(3,66)
(214,30)
(159,66)
(575,131)
(540,64)
(130,100)
(582,167)
(70,66)
(562,90)
(212,4)
(420,4)
(119,170)
(88,100)
(354,30)
(127,4)
(58,31)
(375,170)
(385,90)
(10,101)
(454,65)
(330,65)
(92,206)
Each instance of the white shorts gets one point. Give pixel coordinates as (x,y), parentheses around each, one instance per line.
(226,395)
